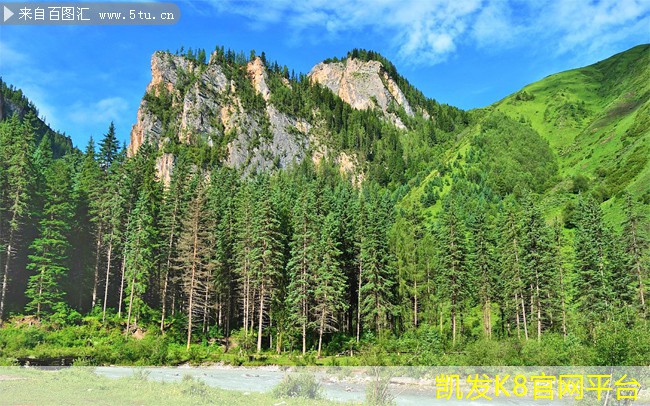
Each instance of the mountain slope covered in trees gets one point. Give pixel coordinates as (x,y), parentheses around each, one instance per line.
(13,101)
(262,212)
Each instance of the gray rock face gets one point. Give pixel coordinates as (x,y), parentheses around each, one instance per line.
(7,108)
(208,108)
(363,85)
(211,111)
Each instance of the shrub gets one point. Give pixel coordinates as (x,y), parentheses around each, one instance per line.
(301,385)
(580,184)
(194,387)
(377,391)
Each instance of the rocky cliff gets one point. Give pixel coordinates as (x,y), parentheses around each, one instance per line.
(363,85)
(205,105)
(230,106)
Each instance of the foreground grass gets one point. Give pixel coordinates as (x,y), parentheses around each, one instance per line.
(20,386)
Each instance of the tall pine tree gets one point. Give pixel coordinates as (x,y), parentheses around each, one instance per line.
(17,140)
(49,259)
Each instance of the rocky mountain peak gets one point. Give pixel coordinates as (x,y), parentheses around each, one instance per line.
(187,101)
(257,73)
(361,84)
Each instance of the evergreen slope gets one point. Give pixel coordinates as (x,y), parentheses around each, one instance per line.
(463,237)
(13,101)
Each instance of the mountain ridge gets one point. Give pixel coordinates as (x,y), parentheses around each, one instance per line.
(593,119)
(14,101)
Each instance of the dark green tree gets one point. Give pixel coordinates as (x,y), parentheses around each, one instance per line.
(49,258)
(267,252)
(483,264)
(636,249)
(601,282)
(17,159)
(140,255)
(453,262)
(538,266)
(303,261)
(108,148)
(376,264)
(329,281)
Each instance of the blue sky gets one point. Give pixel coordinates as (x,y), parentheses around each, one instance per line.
(467,53)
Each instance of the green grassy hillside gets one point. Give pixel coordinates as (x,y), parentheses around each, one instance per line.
(596,121)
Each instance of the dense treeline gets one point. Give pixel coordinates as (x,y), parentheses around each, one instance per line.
(303,260)
(425,258)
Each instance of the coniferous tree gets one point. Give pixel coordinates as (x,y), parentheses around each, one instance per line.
(221,208)
(174,204)
(329,281)
(453,266)
(17,144)
(267,251)
(412,275)
(194,256)
(89,190)
(245,253)
(345,209)
(376,264)
(483,263)
(559,267)
(512,273)
(48,261)
(303,260)
(600,282)
(636,249)
(108,148)
(113,206)
(140,254)
(537,249)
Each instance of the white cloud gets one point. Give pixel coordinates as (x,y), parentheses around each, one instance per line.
(431,31)
(102,111)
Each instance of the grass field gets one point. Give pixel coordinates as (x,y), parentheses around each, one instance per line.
(80,386)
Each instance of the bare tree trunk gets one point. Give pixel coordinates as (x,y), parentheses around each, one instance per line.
(205,309)
(261,319)
(320,331)
(251,317)
(453,326)
(246,293)
(108,275)
(304,327)
(539,307)
(167,267)
(523,312)
(359,304)
(122,270)
(517,313)
(97,255)
(487,318)
(10,243)
(415,302)
(123,266)
(5,275)
(303,287)
(190,306)
(128,319)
